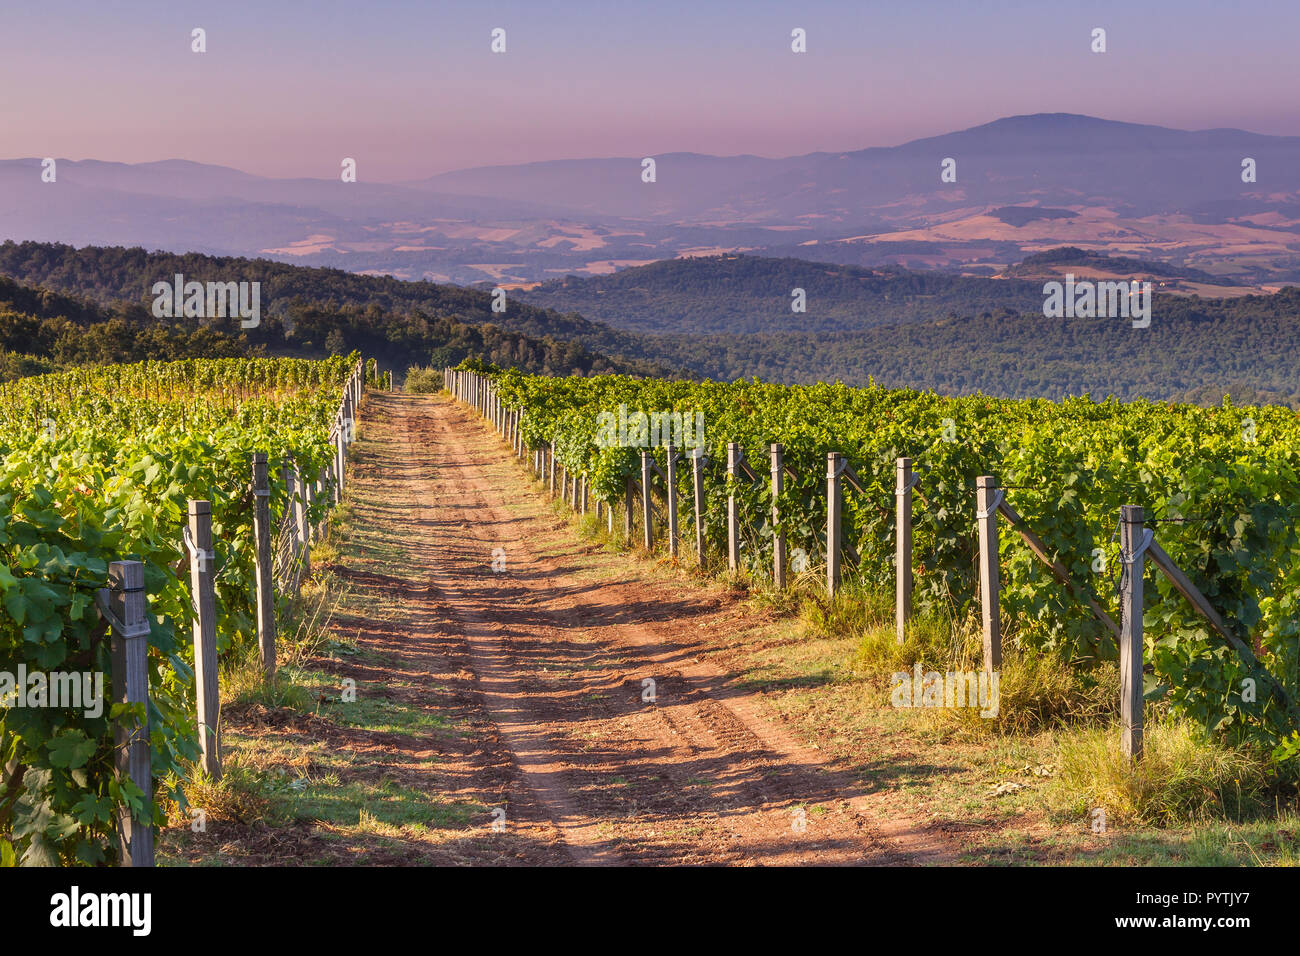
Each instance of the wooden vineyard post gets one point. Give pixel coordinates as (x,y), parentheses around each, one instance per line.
(733,517)
(203,594)
(319,492)
(340,474)
(670,479)
(778,532)
(647,514)
(903,548)
(697,483)
(302,516)
(834,515)
(123,603)
(1131,544)
(265,594)
(583,510)
(291,514)
(629,505)
(335,491)
(552,485)
(345,414)
(345,439)
(310,490)
(987,496)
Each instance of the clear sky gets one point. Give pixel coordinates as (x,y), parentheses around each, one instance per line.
(289,87)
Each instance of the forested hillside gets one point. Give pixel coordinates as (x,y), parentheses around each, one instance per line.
(753,294)
(1195,350)
(307,312)
(946,333)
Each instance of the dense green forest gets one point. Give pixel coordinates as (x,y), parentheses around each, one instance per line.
(308,312)
(1074,256)
(1195,349)
(753,294)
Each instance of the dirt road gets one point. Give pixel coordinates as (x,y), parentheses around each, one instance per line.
(612,741)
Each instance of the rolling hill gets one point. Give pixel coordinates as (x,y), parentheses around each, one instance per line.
(1195,348)
(1024,184)
(63,306)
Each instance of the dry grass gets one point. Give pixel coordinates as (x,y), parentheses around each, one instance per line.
(1183,777)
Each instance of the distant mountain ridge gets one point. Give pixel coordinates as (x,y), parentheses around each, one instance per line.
(1023,183)
(1046,156)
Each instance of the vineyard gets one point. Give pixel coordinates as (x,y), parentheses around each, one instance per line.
(1220,487)
(156,519)
(102,466)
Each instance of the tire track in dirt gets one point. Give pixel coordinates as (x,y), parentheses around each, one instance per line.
(699,775)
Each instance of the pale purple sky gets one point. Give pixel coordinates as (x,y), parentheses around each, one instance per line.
(409,89)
